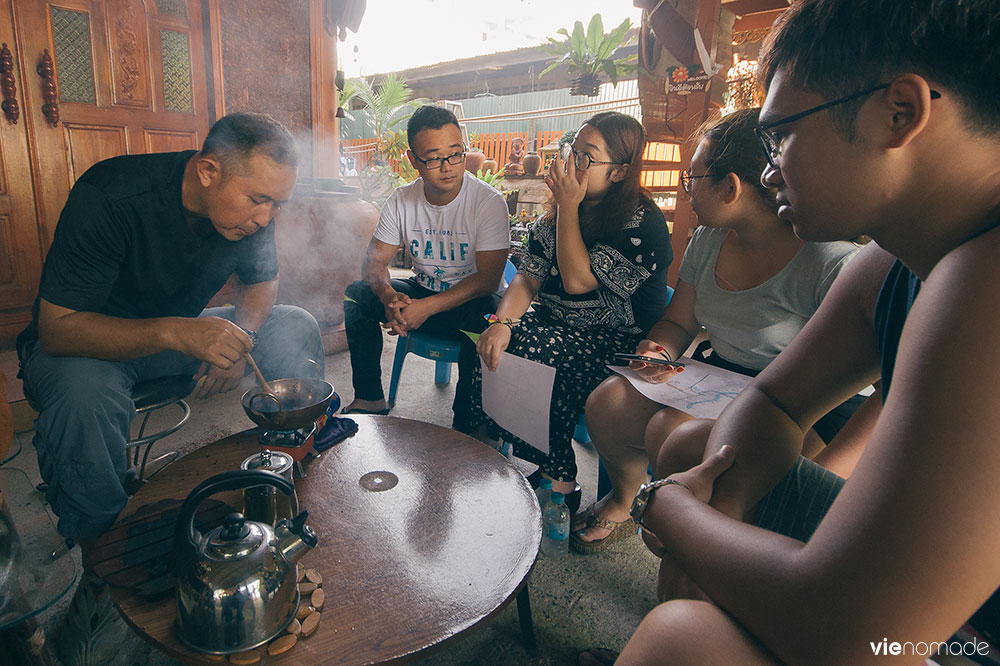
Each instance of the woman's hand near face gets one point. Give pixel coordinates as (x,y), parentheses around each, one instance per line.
(492,343)
(562,181)
(654,373)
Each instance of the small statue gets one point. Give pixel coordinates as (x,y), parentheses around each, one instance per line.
(514,166)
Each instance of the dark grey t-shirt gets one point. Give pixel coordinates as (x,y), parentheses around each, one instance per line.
(124,248)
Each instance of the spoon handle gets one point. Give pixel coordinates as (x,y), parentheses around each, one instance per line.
(260,376)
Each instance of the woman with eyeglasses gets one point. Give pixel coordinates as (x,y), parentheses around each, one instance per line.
(597,263)
(748,280)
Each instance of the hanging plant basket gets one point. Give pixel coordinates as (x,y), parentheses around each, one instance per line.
(588,85)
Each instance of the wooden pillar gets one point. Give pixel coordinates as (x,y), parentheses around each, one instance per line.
(325,96)
(674,117)
(698,107)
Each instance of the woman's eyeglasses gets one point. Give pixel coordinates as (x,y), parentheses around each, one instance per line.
(583,160)
(687,179)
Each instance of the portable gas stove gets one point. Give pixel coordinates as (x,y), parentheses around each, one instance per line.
(298,443)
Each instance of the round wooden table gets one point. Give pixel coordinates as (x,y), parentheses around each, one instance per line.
(404,568)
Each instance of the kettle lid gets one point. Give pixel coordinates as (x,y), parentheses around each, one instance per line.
(236,538)
(271,461)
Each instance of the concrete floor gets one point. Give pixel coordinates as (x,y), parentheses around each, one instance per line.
(577,602)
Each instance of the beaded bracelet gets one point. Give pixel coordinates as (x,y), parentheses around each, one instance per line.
(510,323)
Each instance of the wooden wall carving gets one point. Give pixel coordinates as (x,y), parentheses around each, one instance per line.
(129,62)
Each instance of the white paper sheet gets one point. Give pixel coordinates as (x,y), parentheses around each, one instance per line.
(517,396)
(702,390)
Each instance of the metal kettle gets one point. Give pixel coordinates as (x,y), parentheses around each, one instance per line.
(237,584)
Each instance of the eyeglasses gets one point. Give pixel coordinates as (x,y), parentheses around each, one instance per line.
(583,160)
(435,162)
(686,179)
(771,143)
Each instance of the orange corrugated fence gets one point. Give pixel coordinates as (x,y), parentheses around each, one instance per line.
(496,146)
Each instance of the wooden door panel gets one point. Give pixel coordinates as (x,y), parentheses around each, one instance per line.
(89,144)
(20,250)
(8,271)
(167,141)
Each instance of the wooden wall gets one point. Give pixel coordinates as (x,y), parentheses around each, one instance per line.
(266,68)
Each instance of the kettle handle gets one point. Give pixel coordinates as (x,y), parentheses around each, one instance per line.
(235,480)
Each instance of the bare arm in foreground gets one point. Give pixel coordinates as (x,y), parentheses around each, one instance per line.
(908,549)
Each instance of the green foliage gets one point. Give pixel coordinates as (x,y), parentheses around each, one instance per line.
(590,52)
(519,228)
(494,180)
(389,105)
(378,182)
(393,145)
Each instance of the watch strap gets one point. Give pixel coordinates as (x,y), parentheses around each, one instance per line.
(645,494)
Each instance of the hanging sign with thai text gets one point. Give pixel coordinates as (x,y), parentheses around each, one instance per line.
(686,79)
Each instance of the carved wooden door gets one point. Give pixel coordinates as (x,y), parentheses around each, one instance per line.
(20,249)
(108,77)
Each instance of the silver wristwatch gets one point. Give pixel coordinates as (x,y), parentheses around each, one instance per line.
(642,497)
(253,338)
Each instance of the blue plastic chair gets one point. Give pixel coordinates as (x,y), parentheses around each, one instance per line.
(509,271)
(442,350)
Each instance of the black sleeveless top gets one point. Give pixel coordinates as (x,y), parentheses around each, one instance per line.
(891,309)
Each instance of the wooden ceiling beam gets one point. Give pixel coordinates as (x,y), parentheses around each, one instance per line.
(746,7)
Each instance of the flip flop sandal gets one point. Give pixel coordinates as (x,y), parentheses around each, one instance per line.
(597,657)
(374,412)
(619,532)
(585,518)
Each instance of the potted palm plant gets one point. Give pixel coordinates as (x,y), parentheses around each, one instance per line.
(384,110)
(589,53)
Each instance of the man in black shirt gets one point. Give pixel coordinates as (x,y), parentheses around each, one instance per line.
(142,245)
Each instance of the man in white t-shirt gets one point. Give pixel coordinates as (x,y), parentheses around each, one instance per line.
(456,230)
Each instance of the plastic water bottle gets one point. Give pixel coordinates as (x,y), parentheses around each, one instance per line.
(555,527)
(544,492)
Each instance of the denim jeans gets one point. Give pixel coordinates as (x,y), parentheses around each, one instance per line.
(363,312)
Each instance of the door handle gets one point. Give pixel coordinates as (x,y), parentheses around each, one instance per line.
(50,109)
(8,85)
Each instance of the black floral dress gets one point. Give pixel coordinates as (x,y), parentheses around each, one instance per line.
(579,334)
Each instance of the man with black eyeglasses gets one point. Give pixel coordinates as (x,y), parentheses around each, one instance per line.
(881,119)
(456,231)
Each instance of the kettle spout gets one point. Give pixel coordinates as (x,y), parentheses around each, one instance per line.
(295,538)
